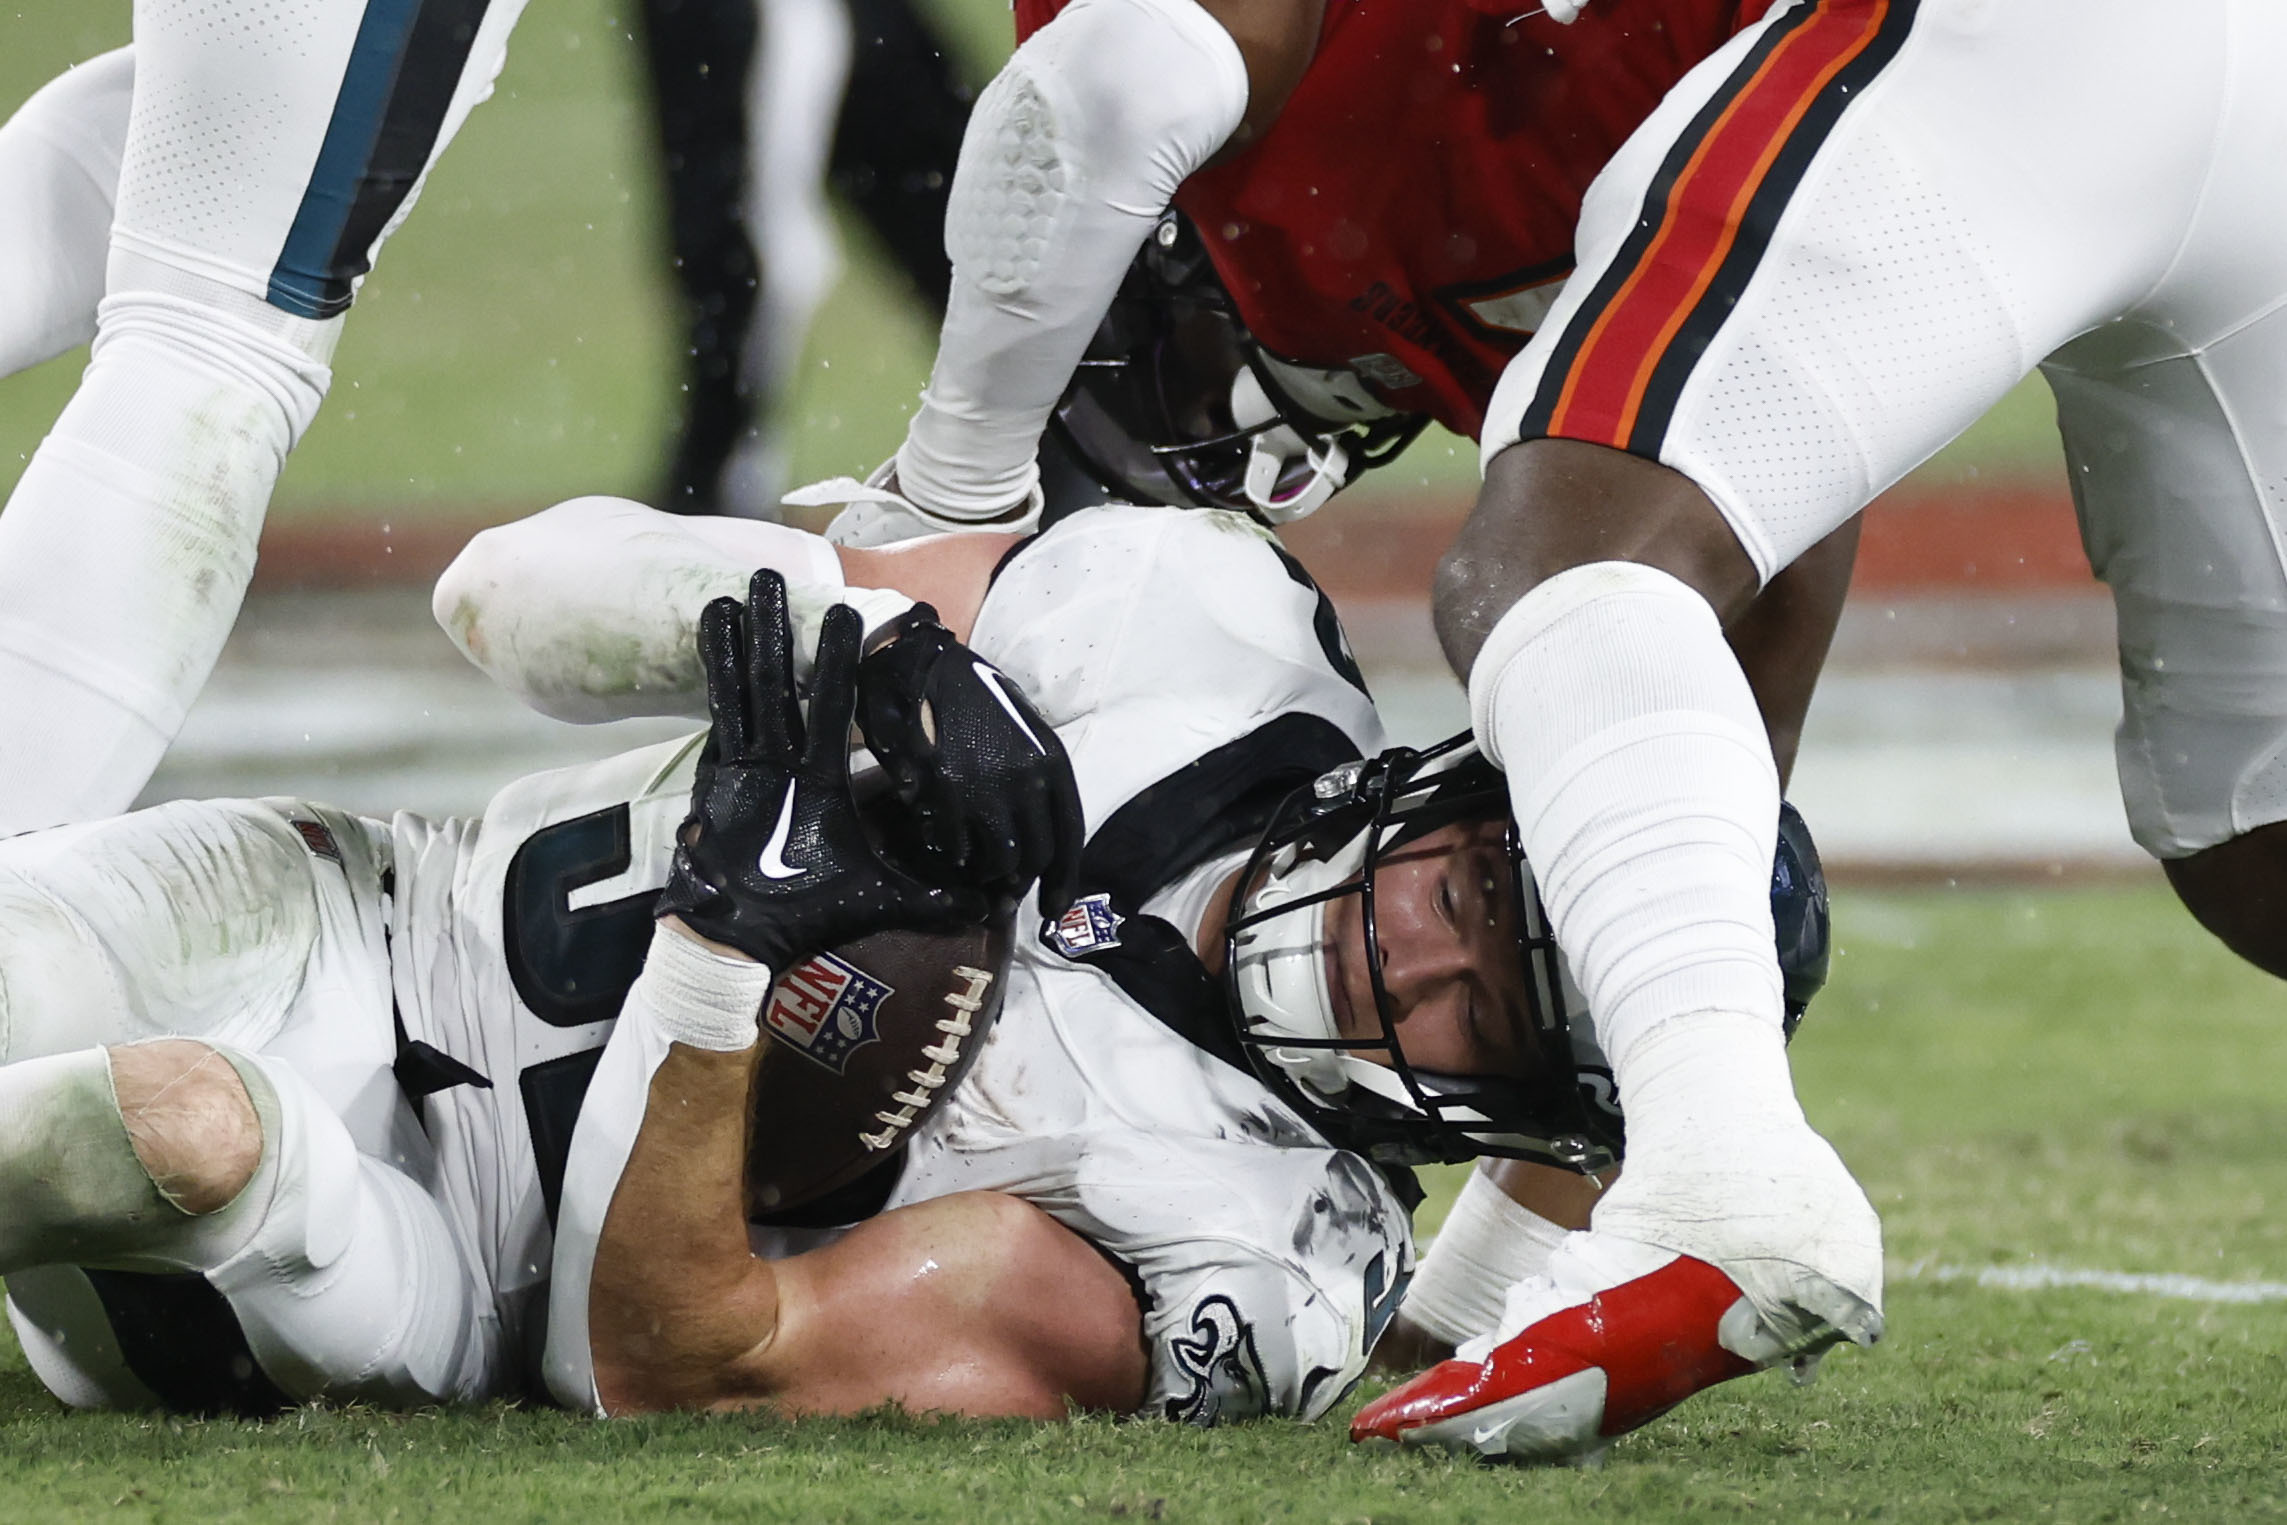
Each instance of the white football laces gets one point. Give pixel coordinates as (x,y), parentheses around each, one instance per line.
(924,1084)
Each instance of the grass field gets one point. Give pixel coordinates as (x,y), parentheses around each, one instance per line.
(512,348)
(2075,1079)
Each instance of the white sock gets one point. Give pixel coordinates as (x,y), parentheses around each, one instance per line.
(1644,787)
(1489,1243)
(128,544)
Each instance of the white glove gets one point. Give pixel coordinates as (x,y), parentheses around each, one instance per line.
(873,513)
(1565,12)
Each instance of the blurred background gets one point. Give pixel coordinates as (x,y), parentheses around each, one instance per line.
(518,344)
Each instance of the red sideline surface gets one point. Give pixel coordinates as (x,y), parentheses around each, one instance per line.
(1999,539)
(2008,538)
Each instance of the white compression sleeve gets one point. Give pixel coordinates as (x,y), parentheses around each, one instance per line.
(1072,155)
(1489,1243)
(686,994)
(130,538)
(59,175)
(588,611)
(1645,789)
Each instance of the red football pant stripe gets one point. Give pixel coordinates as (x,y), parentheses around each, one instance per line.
(1701,220)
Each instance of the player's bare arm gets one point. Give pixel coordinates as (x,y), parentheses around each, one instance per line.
(975,1304)
(1277,39)
(771,866)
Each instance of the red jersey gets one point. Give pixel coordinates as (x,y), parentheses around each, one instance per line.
(1410,214)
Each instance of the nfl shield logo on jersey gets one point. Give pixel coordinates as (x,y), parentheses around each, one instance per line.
(1091,925)
(825,1010)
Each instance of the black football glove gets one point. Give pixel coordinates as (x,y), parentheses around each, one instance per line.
(773,859)
(990,789)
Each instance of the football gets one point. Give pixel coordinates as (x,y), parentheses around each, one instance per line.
(862,1044)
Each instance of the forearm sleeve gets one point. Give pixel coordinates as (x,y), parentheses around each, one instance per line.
(589,611)
(59,178)
(1072,155)
(686,994)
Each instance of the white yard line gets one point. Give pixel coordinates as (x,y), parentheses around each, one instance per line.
(2038,1277)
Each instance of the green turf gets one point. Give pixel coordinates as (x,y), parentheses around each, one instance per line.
(513,346)
(2074,1077)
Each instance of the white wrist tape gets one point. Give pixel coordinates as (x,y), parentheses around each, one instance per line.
(690,994)
(1489,1243)
(589,611)
(1073,153)
(873,514)
(686,994)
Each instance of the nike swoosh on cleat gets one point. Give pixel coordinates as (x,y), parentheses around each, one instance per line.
(992,679)
(773,863)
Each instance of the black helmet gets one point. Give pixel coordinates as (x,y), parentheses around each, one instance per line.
(1174,401)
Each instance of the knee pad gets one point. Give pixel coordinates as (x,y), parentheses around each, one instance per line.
(353,1286)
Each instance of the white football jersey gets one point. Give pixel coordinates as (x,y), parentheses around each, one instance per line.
(1148,637)
(1269,1260)
(514,939)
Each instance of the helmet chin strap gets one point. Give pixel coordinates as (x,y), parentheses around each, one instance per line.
(1274,449)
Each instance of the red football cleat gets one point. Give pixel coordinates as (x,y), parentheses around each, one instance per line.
(1565,1386)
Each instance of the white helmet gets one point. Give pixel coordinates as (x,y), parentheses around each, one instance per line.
(1327,842)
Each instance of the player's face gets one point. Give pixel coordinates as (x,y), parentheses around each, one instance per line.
(1445,912)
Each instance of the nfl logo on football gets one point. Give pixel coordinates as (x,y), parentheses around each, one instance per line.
(825,1010)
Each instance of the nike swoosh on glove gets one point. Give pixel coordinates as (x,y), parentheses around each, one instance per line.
(1616,1335)
(989,787)
(773,859)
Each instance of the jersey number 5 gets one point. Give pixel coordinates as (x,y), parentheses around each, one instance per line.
(574,967)
(570,967)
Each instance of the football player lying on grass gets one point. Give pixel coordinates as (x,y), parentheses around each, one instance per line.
(309,1200)
(1130,625)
